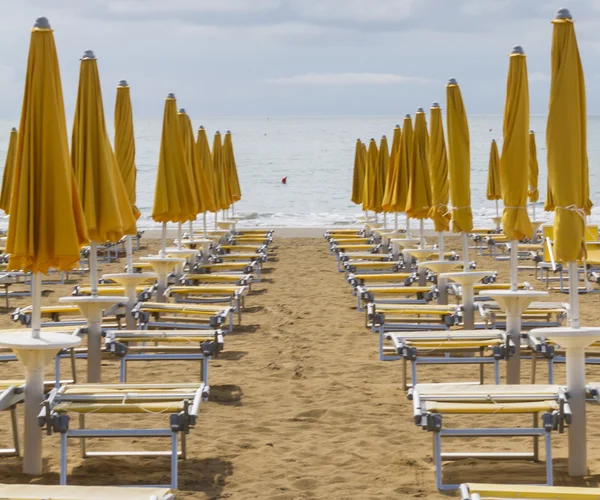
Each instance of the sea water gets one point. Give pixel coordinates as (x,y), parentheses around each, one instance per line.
(317,155)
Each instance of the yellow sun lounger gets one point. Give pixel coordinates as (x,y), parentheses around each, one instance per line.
(218,278)
(114,290)
(189,316)
(241,248)
(355,247)
(210,294)
(180,402)
(373,266)
(55,315)
(474,491)
(54,492)
(460,347)
(548,403)
(377,278)
(164,345)
(538,314)
(385,317)
(394,295)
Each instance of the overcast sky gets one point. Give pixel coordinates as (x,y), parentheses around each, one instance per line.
(298,57)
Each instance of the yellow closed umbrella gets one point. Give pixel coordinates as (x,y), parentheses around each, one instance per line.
(125,154)
(494,188)
(369,196)
(9,168)
(438,168)
(206,164)
(46,228)
(383,163)
(106,207)
(231,168)
(514,162)
(358,174)
(533,193)
(192,156)
(418,202)
(174,194)
(459,165)
(219,169)
(125,142)
(566,143)
(392,174)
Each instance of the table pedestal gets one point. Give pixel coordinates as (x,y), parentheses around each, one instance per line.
(420,254)
(162,267)
(440,267)
(399,243)
(497,222)
(467,281)
(188,254)
(130,282)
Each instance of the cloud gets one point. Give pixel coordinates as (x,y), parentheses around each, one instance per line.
(145,7)
(348,79)
(537,76)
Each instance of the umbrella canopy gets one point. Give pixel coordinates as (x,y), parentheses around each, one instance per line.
(9,168)
(392,171)
(514,163)
(370,193)
(399,189)
(494,189)
(358,175)
(47,226)
(125,142)
(221,181)
(459,159)
(383,163)
(419,202)
(106,207)
(566,142)
(438,168)
(231,168)
(206,165)
(192,158)
(533,193)
(174,194)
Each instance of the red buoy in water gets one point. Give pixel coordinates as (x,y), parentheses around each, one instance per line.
(284,180)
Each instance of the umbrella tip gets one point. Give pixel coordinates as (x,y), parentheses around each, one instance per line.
(407,115)
(517,49)
(217,133)
(452,81)
(228,132)
(372,139)
(88,54)
(123,83)
(493,140)
(383,137)
(201,127)
(14,129)
(420,110)
(42,23)
(563,13)
(397,125)
(170,95)
(531,131)
(435,105)
(182,110)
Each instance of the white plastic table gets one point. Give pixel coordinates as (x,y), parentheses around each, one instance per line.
(467,281)
(162,267)
(130,282)
(441,267)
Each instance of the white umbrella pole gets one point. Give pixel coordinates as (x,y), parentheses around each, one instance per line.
(93,268)
(441,245)
(422,233)
(407,225)
(514,265)
(396,221)
(533,211)
(129,250)
(163,240)
(179,235)
(34,390)
(384,220)
(232,210)
(497,209)
(375,217)
(204,221)
(465,244)
(216,217)
(191,230)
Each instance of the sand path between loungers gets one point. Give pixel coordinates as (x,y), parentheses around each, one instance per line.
(300,405)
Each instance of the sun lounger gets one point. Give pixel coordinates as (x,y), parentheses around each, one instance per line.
(210,294)
(161,315)
(180,401)
(460,347)
(164,345)
(386,317)
(370,266)
(360,279)
(64,315)
(473,491)
(538,314)
(393,295)
(218,278)
(54,492)
(229,267)
(433,402)
(7,280)
(143,292)
(482,289)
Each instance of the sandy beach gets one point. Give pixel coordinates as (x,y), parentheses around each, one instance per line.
(300,405)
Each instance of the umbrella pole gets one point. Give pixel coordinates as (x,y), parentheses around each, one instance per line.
(375,217)
(94,268)
(465,245)
(36,304)
(204,221)
(384,220)
(216,217)
(191,230)
(396,221)
(179,234)
(232,210)
(497,209)
(514,265)
(163,240)
(533,211)
(407,226)
(129,249)
(441,245)
(422,233)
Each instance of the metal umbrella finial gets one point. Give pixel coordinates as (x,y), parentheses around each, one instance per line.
(452,81)
(564,13)
(123,83)
(420,110)
(42,23)
(435,105)
(88,54)
(517,49)
(182,110)
(170,95)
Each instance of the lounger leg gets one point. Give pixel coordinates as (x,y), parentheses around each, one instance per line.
(536,440)
(413,372)
(73,367)
(123,371)
(183,446)
(533,366)
(15,430)
(437,458)
(174,472)
(82,440)
(204,366)
(551,371)
(63,458)
(481,372)
(57,370)
(404,369)
(549,476)
(496,372)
